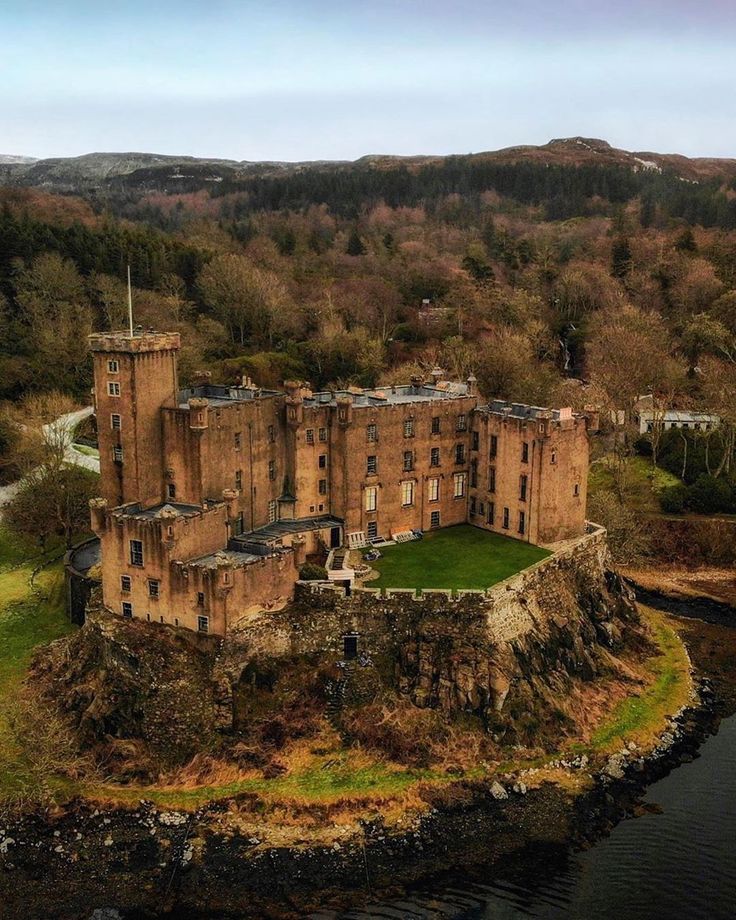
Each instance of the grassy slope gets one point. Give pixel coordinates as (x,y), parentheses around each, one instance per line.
(644,482)
(28,617)
(457,557)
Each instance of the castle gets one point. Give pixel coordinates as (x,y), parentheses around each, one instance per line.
(213,497)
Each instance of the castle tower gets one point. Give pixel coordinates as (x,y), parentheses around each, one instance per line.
(135,377)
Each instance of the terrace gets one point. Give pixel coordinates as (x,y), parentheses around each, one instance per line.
(458,558)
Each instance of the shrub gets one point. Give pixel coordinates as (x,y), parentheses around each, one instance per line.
(311,572)
(643,445)
(673,499)
(708,495)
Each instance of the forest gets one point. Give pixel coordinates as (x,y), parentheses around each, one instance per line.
(554,284)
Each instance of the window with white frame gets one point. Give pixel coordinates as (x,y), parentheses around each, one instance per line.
(113,388)
(112,366)
(115,422)
(433,490)
(407,492)
(460,482)
(154,586)
(322,434)
(462,422)
(310,435)
(371,498)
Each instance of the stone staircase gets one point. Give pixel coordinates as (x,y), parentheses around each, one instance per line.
(337,694)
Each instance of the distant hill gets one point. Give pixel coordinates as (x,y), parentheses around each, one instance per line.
(142,172)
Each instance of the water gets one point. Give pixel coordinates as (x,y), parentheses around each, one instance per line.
(677,862)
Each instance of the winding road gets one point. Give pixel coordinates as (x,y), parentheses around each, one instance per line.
(64,425)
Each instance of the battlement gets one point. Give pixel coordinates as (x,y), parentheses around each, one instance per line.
(138,343)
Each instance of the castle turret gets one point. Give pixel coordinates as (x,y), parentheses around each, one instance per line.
(135,377)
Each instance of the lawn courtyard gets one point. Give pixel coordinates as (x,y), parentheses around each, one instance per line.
(456,557)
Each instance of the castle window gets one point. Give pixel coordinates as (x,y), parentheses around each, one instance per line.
(371,433)
(407,493)
(322,434)
(239,524)
(127,610)
(115,422)
(271,433)
(522,522)
(238,479)
(322,461)
(371,498)
(459,453)
(505,518)
(310,435)
(462,422)
(272,470)
(408,460)
(436,424)
(372,530)
(153,587)
(525,452)
(113,388)
(117,454)
(492,479)
(576,490)
(203,624)
(200,599)
(553,458)
(125,584)
(176,621)
(523,480)
(491,512)
(408,427)
(474,474)
(434,519)
(472,504)
(171,490)
(112,366)
(136,552)
(481,508)
(460,481)
(272,511)
(238,440)
(494,446)
(371,464)
(434,490)
(434,456)
(323,487)
(476,440)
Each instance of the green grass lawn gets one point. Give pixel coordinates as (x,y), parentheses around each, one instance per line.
(456,557)
(28,618)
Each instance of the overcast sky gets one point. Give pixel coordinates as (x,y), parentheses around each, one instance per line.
(336,79)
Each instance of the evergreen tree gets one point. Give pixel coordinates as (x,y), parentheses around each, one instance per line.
(355,245)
